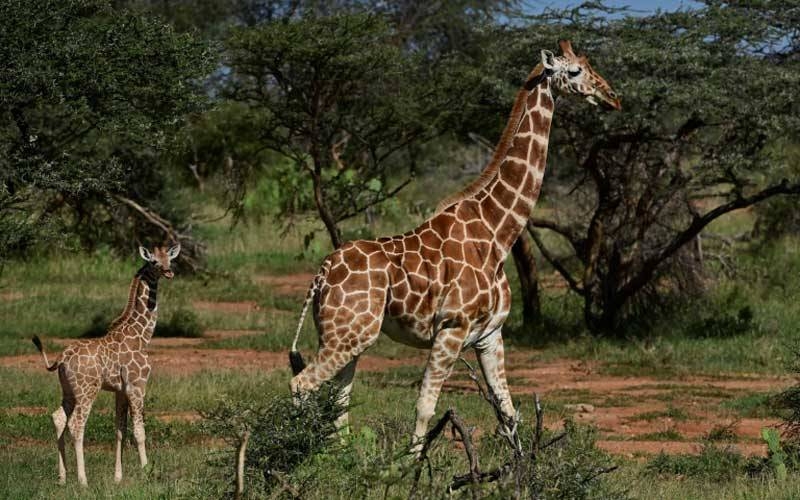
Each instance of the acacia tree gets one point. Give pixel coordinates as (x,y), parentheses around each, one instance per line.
(89,95)
(344,102)
(709,104)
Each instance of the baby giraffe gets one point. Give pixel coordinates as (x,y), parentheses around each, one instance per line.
(116,362)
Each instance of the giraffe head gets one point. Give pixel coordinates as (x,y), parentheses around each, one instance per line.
(160,259)
(572,74)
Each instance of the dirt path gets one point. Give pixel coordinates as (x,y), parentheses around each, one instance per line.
(287,284)
(179,361)
(634,415)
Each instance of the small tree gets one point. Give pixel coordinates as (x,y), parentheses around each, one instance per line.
(344,102)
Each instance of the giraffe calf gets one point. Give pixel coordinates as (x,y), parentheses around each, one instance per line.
(116,362)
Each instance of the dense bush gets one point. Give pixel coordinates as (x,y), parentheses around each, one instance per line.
(283,433)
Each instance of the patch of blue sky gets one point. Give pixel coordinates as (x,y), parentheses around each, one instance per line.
(637,7)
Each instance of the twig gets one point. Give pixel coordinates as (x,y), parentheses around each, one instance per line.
(240,465)
(466,438)
(430,437)
(285,486)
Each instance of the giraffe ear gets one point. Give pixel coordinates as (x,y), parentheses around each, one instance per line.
(174,251)
(548,59)
(145,253)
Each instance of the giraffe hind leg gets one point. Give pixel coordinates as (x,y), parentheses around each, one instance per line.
(344,335)
(60,421)
(121,422)
(345,380)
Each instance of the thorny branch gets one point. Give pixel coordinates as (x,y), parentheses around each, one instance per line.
(522,466)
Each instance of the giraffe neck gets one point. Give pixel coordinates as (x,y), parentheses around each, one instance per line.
(141,312)
(507,200)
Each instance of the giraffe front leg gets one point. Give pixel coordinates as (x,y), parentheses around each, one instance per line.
(345,381)
(122,426)
(444,353)
(492,360)
(135,395)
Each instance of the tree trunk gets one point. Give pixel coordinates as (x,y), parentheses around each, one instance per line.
(324,212)
(528,280)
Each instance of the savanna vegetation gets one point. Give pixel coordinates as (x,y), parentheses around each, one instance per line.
(662,258)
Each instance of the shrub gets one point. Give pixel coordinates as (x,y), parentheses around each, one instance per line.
(283,433)
(712,464)
(572,468)
(181,323)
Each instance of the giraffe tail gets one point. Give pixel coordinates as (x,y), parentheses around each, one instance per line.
(38,344)
(295,358)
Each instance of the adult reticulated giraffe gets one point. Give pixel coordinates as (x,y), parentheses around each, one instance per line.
(442,285)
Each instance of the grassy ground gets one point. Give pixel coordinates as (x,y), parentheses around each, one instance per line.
(68,296)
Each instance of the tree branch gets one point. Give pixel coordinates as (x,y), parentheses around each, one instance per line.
(698,224)
(573,283)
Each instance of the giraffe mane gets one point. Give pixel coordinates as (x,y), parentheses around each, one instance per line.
(500,151)
(129,306)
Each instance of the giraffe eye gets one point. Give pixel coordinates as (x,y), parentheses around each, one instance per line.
(574,72)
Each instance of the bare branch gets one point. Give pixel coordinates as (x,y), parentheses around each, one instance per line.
(573,283)
(698,224)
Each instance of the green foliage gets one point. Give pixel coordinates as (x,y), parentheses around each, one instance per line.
(728,323)
(725,433)
(775,455)
(571,468)
(787,403)
(283,432)
(180,323)
(712,464)
(344,101)
(89,98)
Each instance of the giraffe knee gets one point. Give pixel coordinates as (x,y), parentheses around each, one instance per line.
(425,409)
(138,433)
(75,428)
(59,419)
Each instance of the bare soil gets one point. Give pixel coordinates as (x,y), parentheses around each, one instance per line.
(178,361)
(635,416)
(9,296)
(243,307)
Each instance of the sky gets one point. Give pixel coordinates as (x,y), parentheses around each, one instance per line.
(645,6)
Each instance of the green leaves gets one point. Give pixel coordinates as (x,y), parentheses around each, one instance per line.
(91,96)
(777,457)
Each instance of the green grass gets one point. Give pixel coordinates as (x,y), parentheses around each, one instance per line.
(177,472)
(755,405)
(665,435)
(671,412)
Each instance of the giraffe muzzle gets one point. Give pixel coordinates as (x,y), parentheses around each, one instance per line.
(168,274)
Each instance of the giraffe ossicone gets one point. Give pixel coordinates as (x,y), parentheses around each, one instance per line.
(442,286)
(116,362)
